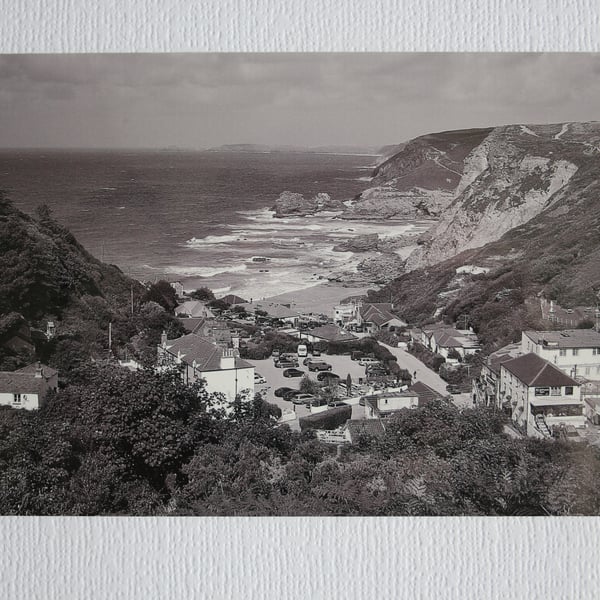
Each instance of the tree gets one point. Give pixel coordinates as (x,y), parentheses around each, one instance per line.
(203,294)
(162,293)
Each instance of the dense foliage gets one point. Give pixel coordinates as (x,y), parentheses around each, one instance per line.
(116,442)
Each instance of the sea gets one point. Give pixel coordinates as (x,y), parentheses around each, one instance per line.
(201,218)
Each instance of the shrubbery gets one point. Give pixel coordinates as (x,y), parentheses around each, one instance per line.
(329,419)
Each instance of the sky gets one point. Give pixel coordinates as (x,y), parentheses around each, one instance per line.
(206,100)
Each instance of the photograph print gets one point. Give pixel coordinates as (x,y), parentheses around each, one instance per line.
(300,284)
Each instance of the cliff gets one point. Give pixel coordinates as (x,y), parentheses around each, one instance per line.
(419,180)
(515,174)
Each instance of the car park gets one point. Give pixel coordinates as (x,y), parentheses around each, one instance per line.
(293,373)
(319,365)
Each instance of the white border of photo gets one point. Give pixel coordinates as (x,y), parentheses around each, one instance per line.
(305,558)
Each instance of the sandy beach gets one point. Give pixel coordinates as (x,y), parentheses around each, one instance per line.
(320,298)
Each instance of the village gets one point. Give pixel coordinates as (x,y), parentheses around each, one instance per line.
(344,374)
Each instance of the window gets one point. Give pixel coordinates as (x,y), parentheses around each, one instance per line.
(569,390)
(16,398)
(587,370)
(575,351)
(555,391)
(595,351)
(563,352)
(542,391)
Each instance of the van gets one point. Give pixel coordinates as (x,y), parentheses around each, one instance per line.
(302,351)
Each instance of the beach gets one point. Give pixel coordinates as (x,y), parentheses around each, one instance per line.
(320,298)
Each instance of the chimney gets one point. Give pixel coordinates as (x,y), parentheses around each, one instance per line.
(38,370)
(227,359)
(163,339)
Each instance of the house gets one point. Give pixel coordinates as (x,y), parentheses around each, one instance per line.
(232,299)
(347,314)
(194,308)
(28,387)
(574,351)
(327,333)
(540,395)
(386,403)
(221,369)
(214,330)
(486,387)
(444,340)
(378,316)
(275,311)
(355,429)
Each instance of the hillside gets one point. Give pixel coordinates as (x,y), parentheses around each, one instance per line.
(46,275)
(527,212)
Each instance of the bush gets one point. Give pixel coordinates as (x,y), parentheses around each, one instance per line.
(329,419)
(426,356)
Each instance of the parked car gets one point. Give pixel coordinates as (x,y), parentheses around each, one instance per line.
(306,361)
(317,402)
(327,375)
(293,373)
(258,378)
(357,355)
(316,353)
(290,395)
(282,391)
(570,434)
(286,363)
(335,403)
(319,365)
(303,399)
(275,353)
(366,360)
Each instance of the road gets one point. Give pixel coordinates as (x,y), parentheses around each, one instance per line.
(424,373)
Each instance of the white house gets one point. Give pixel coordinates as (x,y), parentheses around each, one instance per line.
(378,316)
(282,312)
(28,387)
(486,387)
(194,308)
(222,370)
(540,395)
(574,351)
(386,403)
(442,339)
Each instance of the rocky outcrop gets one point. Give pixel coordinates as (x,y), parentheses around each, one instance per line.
(360,243)
(293,204)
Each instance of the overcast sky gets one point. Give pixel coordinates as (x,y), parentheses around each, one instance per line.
(204,100)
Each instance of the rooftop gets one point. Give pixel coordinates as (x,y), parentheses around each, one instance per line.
(14,382)
(424,392)
(495,359)
(567,338)
(207,355)
(533,370)
(370,427)
(378,313)
(47,372)
(331,333)
(277,311)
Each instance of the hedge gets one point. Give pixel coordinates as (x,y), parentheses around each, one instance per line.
(329,419)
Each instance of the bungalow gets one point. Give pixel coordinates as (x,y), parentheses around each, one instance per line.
(540,395)
(221,369)
(444,339)
(326,333)
(378,316)
(194,308)
(275,311)
(28,387)
(386,403)
(574,351)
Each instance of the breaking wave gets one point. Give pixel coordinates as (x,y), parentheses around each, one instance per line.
(204,271)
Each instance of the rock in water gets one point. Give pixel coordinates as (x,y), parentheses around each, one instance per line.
(293,204)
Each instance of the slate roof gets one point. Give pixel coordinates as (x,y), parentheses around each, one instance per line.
(495,359)
(331,333)
(378,313)
(452,338)
(47,372)
(567,338)
(370,427)
(207,355)
(533,370)
(193,308)
(233,299)
(192,324)
(425,394)
(12,382)
(277,311)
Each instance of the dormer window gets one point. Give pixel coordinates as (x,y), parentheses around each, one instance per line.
(17,398)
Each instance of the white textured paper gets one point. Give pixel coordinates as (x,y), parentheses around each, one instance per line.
(300,558)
